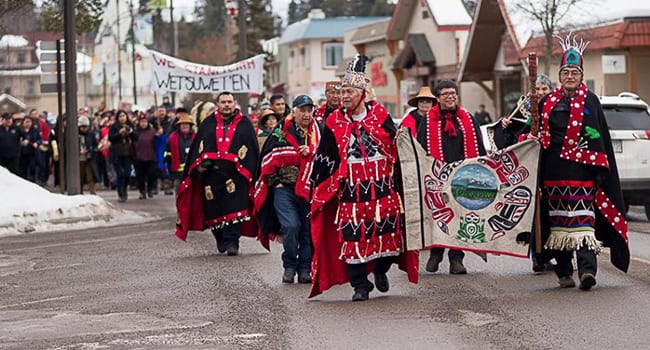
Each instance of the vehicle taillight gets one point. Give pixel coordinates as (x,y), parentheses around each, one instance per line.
(647,134)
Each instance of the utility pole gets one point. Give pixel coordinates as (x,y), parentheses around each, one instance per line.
(174,40)
(243,46)
(135,89)
(119,56)
(71,130)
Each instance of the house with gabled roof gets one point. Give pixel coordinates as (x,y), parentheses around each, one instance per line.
(491,59)
(312,49)
(426,39)
(617,58)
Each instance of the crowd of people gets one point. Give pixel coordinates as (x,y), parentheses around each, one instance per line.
(326,181)
(118,149)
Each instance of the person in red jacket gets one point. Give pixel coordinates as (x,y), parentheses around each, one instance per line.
(178,145)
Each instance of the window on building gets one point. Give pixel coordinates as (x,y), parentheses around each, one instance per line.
(21,57)
(333,54)
(302,57)
(7,90)
(425,14)
(591,84)
(31,88)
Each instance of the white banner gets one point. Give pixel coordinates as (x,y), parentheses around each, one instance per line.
(484,204)
(173,74)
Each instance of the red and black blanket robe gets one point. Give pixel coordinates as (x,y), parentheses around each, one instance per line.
(450,136)
(412,121)
(223,194)
(351,195)
(586,142)
(322,112)
(279,150)
(175,153)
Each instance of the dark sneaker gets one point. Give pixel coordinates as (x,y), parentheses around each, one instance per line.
(587,281)
(288,276)
(304,277)
(360,295)
(142,196)
(150,194)
(566,282)
(381,282)
(456,267)
(221,247)
(433,263)
(537,267)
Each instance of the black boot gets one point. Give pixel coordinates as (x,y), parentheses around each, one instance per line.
(120,195)
(125,191)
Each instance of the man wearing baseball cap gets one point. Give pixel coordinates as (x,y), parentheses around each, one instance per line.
(282,191)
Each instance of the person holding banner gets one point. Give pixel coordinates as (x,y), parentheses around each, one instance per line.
(218,177)
(582,206)
(282,192)
(355,195)
(449,133)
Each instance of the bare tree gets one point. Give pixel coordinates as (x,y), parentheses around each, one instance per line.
(9,8)
(551,16)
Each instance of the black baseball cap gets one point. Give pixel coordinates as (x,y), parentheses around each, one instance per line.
(6,116)
(302,100)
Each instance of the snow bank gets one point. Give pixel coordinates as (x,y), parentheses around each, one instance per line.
(28,207)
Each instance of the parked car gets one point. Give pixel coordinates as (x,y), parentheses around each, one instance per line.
(628,118)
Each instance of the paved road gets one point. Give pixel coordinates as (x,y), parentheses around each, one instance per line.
(140,287)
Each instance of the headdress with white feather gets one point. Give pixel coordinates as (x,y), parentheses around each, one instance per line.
(572,51)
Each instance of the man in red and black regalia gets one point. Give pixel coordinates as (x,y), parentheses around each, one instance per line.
(449,133)
(332,101)
(282,192)
(582,205)
(219,174)
(355,195)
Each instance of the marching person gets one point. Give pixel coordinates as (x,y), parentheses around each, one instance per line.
(178,147)
(582,206)
(332,101)
(121,137)
(218,178)
(449,133)
(267,122)
(145,157)
(10,136)
(482,115)
(422,102)
(355,194)
(30,143)
(88,152)
(508,129)
(282,192)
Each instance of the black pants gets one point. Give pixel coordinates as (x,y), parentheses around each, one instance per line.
(587,262)
(453,254)
(229,234)
(359,277)
(145,175)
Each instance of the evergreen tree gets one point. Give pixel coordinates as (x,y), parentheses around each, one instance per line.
(211,17)
(261,25)
(88,15)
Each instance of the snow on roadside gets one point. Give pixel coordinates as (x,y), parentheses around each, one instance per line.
(28,208)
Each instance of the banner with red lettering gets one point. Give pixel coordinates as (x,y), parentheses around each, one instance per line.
(484,204)
(173,74)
